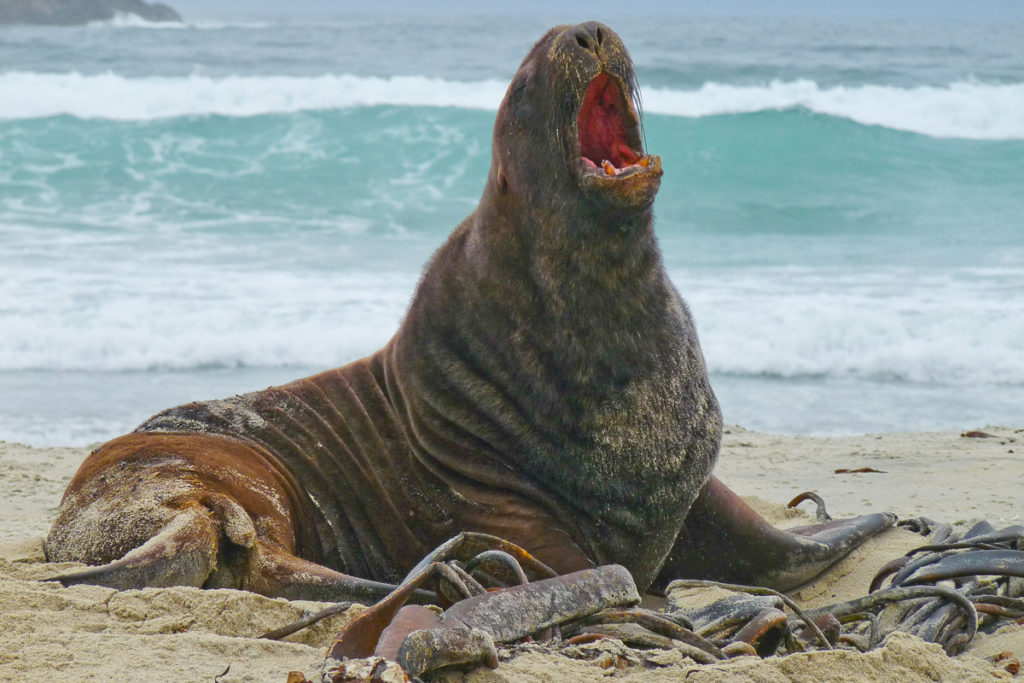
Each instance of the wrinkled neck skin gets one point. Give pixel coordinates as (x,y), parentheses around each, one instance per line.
(581,282)
(555,370)
(546,354)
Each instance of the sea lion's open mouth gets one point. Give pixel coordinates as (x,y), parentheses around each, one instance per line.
(607,130)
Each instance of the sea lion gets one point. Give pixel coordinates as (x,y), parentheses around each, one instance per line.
(546,386)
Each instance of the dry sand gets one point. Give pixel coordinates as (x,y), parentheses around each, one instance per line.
(87,633)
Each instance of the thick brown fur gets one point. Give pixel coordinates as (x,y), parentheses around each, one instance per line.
(546,386)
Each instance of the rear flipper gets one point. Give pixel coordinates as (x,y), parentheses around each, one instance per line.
(214,545)
(724,539)
(183,553)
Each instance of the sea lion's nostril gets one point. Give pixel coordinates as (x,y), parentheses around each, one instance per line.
(581,38)
(599,36)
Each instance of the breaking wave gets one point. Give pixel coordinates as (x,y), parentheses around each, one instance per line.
(962,109)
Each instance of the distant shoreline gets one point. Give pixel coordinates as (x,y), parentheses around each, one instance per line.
(80,12)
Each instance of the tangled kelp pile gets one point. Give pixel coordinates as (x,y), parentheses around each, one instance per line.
(945,592)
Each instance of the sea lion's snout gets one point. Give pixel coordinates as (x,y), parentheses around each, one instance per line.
(589,35)
(569,127)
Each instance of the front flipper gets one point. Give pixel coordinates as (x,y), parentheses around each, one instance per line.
(724,539)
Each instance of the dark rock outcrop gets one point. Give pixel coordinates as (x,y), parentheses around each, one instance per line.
(72,12)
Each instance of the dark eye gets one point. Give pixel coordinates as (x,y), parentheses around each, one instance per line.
(518,88)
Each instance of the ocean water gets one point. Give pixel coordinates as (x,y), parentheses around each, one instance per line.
(197,210)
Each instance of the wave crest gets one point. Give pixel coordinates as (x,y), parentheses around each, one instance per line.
(963,109)
(111,96)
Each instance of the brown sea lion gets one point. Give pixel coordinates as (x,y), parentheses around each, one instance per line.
(546,386)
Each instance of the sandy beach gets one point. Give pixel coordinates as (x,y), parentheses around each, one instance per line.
(87,633)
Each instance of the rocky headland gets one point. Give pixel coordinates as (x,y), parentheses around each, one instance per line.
(76,12)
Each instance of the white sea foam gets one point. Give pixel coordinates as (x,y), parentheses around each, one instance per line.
(963,109)
(159,315)
(895,325)
(87,351)
(898,325)
(134,21)
(127,20)
(130,20)
(111,96)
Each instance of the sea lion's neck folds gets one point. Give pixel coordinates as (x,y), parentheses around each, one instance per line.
(567,366)
(546,354)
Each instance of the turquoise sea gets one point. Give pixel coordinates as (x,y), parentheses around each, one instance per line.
(196,210)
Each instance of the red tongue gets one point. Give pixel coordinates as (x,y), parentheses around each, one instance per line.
(601,128)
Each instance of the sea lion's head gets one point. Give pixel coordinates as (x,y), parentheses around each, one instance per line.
(568,129)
